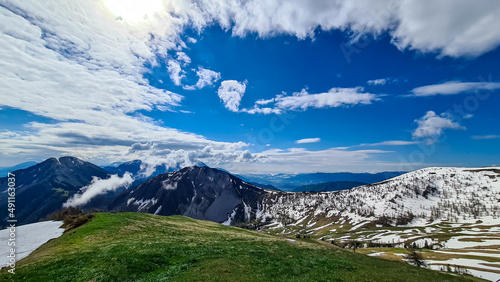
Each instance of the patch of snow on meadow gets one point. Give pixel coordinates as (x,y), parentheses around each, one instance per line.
(28,238)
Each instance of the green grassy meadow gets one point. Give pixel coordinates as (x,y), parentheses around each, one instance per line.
(144,247)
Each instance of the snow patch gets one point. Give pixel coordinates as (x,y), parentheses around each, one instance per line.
(29,237)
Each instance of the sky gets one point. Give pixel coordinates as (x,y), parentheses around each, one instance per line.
(252,86)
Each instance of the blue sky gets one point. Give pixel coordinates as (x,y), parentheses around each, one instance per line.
(258,87)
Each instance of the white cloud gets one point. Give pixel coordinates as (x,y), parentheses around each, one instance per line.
(98,187)
(230,92)
(452,28)
(155,154)
(175,71)
(485,137)
(308,140)
(431,126)
(335,97)
(184,58)
(76,65)
(392,143)
(265,111)
(264,102)
(299,160)
(449,28)
(453,88)
(380,81)
(206,77)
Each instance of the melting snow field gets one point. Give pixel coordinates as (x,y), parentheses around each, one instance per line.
(438,264)
(28,238)
(451,213)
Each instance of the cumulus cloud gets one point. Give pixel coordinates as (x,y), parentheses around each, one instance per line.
(431,126)
(98,187)
(308,140)
(230,93)
(451,28)
(206,77)
(448,28)
(453,88)
(335,97)
(215,156)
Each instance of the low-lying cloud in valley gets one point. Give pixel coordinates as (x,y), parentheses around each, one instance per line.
(98,187)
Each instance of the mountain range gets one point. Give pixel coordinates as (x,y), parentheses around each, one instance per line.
(290,182)
(206,193)
(443,209)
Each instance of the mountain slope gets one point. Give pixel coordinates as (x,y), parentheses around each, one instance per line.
(44,187)
(197,192)
(426,195)
(328,186)
(142,247)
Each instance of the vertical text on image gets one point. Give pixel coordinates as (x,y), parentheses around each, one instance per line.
(11,206)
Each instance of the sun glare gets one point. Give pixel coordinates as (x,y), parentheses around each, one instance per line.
(134,10)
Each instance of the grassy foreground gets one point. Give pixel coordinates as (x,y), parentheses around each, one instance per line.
(143,247)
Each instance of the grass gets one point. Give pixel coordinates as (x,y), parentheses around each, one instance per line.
(62,192)
(143,247)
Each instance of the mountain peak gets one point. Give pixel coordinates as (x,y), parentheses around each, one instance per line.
(45,186)
(199,192)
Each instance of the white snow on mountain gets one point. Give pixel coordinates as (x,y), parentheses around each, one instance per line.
(427,195)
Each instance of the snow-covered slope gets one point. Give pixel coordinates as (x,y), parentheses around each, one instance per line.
(28,238)
(451,194)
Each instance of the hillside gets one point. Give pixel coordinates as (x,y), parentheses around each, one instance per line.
(425,195)
(142,247)
(452,212)
(329,186)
